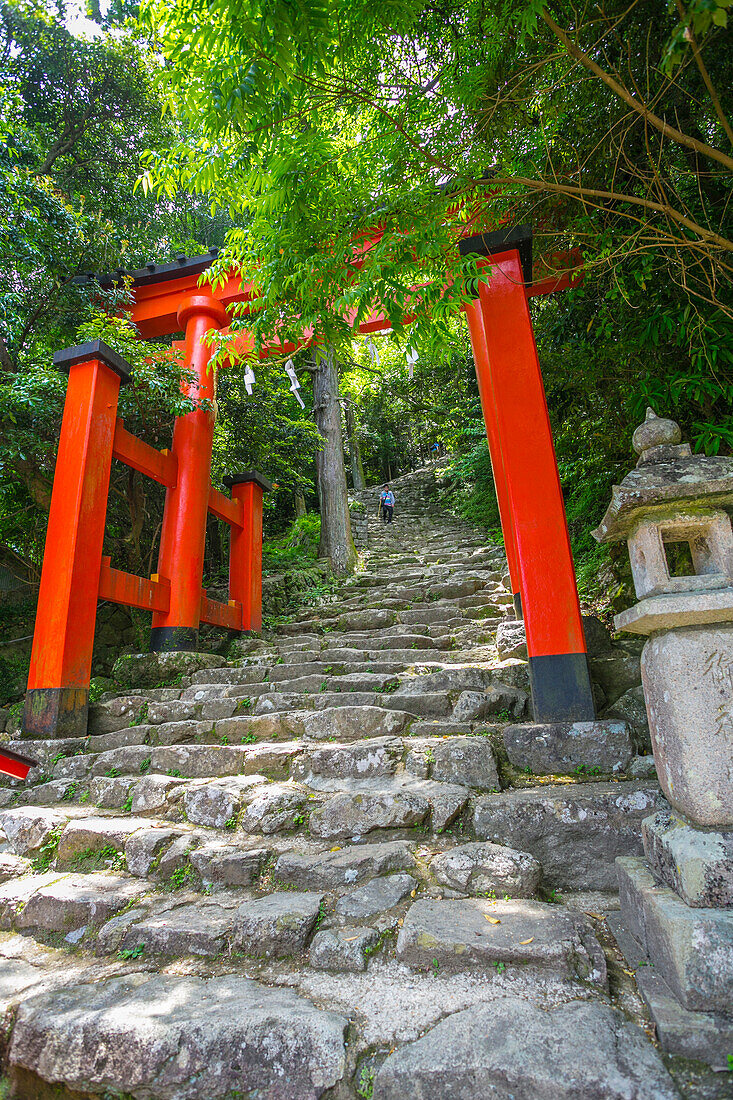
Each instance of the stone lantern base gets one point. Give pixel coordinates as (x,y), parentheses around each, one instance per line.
(676,928)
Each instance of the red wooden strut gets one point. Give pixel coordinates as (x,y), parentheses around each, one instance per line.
(75,575)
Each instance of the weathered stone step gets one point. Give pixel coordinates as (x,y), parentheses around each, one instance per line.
(344,723)
(343,866)
(421,655)
(75,903)
(475,934)
(247,803)
(87,836)
(361,807)
(381,640)
(510,1048)
(366,660)
(24,831)
(233,1033)
(600,747)
(575,830)
(195,761)
(467,761)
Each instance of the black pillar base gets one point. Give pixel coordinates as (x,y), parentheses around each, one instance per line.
(518,613)
(55,712)
(170,639)
(561,688)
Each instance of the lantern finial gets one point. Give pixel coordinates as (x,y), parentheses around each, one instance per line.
(656,431)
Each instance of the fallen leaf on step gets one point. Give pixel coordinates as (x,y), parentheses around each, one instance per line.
(400,922)
(412,893)
(336,849)
(596,916)
(351,939)
(523,942)
(492,920)
(629,972)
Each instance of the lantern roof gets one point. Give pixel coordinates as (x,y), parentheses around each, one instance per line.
(667,475)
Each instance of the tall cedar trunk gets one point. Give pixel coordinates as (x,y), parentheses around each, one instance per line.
(299,502)
(357,469)
(336,542)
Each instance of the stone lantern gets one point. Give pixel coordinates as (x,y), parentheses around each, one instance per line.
(677,905)
(687,665)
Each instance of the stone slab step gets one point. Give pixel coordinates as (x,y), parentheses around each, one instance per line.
(406,657)
(566,748)
(244,802)
(361,759)
(474,934)
(380,641)
(575,830)
(86,836)
(374,898)
(221,864)
(343,866)
(73,903)
(342,949)
(360,807)
(511,1048)
(413,705)
(13,866)
(25,831)
(204,928)
(233,1033)
(277,925)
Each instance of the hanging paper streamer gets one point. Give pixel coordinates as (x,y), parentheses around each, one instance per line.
(412,357)
(294,383)
(249,379)
(373,352)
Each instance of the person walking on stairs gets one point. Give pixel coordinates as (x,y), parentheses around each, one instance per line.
(386,503)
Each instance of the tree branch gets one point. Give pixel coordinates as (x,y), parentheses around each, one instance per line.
(704,72)
(641,109)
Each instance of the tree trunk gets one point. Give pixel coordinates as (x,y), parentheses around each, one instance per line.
(357,469)
(299,502)
(336,542)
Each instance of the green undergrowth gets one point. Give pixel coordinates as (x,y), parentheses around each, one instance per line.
(92,859)
(47,851)
(299,578)
(296,549)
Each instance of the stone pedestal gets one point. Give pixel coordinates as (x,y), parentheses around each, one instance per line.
(689,952)
(697,864)
(687,675)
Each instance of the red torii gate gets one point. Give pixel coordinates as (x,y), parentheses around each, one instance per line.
(168,299)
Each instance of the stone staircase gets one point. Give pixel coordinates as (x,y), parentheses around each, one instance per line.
(340,864)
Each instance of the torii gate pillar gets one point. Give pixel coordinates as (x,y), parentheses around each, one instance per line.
(181,557)
(530,497)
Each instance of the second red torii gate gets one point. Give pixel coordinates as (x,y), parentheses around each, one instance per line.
(168,299)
